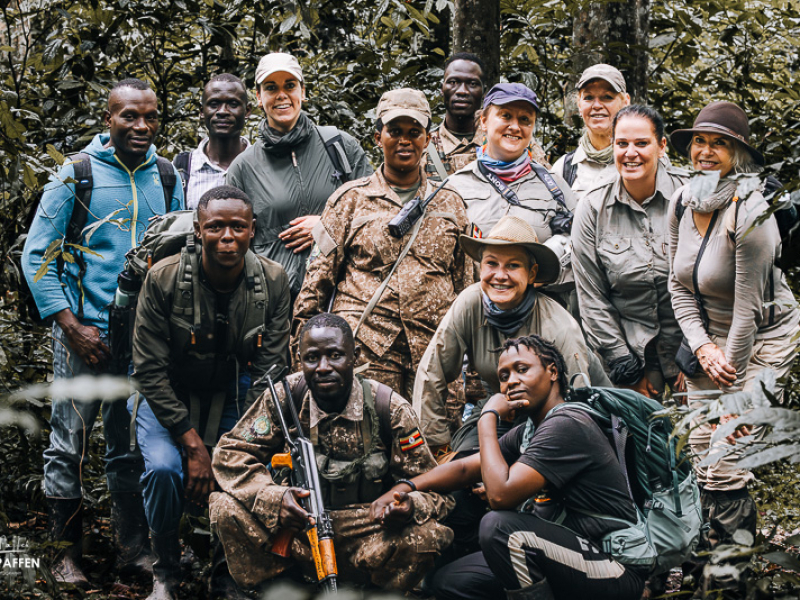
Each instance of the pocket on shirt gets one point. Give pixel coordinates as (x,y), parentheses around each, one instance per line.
(615,254)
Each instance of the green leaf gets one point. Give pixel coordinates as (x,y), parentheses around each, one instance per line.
(85,250)
(287,24)
(29,177)
(787,561)
(55,154)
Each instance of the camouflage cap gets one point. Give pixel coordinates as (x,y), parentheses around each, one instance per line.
(404,102)
(605,72)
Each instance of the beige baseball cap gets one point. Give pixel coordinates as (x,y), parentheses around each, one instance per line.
(275,62)
(605,72)
(404,102)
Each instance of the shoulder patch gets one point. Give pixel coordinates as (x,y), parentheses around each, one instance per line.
(411,441)
(324,244)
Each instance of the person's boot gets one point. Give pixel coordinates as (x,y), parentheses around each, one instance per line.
(538,591)
(221,585)
(129,524)
(65,524)
(167,565)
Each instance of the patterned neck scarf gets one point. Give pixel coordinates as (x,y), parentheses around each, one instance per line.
(507,171)
(508,322)
(605,156)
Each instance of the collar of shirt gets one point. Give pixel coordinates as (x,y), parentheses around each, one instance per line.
(621,194)
(200,158)
(452,143)
(353,410)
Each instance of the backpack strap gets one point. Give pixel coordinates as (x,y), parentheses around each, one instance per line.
(82,174)
(334,146)
(183,162)
(168,180)
(383,406)
(570,170)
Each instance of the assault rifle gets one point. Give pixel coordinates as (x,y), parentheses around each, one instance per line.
(303,465)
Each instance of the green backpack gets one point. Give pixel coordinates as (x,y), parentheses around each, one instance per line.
(660,481)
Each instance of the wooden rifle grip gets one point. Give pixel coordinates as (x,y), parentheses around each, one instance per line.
(283,543)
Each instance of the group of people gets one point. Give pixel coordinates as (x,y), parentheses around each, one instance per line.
(432,309)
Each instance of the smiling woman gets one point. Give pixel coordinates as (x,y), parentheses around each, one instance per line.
(620,258)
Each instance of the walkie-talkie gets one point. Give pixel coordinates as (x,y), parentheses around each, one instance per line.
(411,212)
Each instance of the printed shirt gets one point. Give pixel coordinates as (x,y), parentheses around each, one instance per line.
(204,175)
(355,252)
(242,455)
(621,265)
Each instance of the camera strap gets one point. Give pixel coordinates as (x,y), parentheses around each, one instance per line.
(508,194)
(379,292)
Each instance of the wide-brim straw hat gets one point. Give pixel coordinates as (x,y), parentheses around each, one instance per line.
(513,231)
(722,118)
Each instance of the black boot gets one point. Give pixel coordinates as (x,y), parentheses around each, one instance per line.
(538,591)
(221,585)
(65,524)
(167,565)
(129,525)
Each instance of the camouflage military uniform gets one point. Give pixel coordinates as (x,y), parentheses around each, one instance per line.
(354,248)
(245,515)
(456,153)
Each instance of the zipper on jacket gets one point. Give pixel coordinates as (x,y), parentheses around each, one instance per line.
(132,175)
(303,210)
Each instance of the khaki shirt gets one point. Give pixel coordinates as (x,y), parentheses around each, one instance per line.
(355,252)
(241,456)
(621,265)
(485,205)
(589,173)
(465,330)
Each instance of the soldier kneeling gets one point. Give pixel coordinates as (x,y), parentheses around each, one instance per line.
(366,439)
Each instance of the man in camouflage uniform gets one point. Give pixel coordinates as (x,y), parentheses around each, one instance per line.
(355,253)
(341,414)
(455,141)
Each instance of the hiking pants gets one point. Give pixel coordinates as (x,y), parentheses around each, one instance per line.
(163,458)
(71,422)
(519,550)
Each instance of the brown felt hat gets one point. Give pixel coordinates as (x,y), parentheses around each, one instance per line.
(723,118)
(513,231)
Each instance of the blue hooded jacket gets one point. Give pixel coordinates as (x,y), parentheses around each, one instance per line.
(127,199)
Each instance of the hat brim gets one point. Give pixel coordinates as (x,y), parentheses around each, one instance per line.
(549,265)
(504,101)
(681,138)
(297,74)
(419,116)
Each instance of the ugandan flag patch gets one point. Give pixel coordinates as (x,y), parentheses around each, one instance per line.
(476,232)
(413,440)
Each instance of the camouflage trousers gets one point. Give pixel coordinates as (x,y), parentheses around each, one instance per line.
(366,552)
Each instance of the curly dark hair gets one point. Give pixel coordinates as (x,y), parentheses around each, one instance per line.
(330,320)
(547,353)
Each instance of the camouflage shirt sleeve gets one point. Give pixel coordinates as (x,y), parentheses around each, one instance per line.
(241,457)
(411,456)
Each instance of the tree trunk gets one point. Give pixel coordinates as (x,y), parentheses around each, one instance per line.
(614,33)
(476,29)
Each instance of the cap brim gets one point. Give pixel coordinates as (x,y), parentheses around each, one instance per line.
(681,138)
(418,116)
(505,101)
(582,83)
(263,76)
(549,265)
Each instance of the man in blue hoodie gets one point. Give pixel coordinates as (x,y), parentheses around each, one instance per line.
(126,192)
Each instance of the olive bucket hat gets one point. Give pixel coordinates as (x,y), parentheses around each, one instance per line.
(722,118)
(513,231)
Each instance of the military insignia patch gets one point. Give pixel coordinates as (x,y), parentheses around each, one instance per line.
(316,252)
(413,440)
(261,426)
(476,232)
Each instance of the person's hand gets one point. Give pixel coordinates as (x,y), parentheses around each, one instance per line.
(293,516)
(479,490)
(506,407)
(379,506)
(740,432)
(399,511)
(200,480)
(644,387)
(84,340)
(298,236)
(680,383)
(715,365)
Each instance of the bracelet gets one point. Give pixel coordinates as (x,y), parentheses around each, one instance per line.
(410,484)
(491,411)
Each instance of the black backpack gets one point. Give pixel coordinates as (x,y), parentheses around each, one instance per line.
(570,170)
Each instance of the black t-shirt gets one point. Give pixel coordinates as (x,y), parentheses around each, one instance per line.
(581,469)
